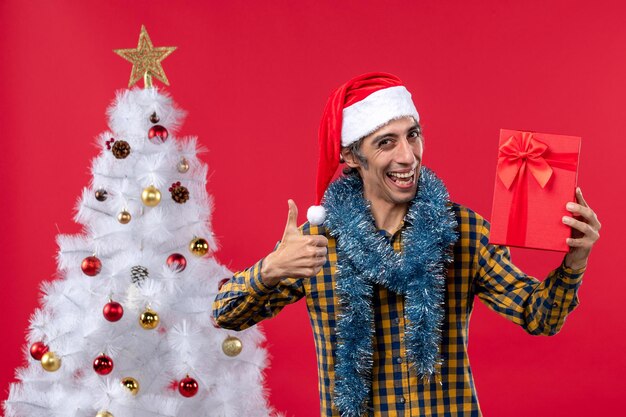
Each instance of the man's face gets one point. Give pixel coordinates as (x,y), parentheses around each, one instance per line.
(394,156)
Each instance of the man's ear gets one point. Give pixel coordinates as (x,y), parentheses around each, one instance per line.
(349,158)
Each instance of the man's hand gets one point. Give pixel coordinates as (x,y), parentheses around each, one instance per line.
(585,231)
(297,256)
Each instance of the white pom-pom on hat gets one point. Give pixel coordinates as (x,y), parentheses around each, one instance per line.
(316,215)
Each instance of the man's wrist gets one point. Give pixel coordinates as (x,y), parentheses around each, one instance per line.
(269,277)
(574,265)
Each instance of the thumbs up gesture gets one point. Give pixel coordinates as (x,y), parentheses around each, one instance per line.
(296,256)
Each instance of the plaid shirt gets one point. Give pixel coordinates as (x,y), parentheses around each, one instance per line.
(478,269)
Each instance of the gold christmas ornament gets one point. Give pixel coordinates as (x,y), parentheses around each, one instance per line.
(151,196)
(149,319)
(146,60)
(232,346)
(104,413)
(124,217)
(199,247)
(183,166)
(131,384)
(50,362)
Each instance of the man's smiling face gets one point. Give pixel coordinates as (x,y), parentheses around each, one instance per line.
(393,156)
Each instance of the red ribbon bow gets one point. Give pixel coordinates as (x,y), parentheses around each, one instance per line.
(520,154)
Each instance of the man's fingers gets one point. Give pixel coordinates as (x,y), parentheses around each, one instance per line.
(585,228)
(580,198)
(318,240)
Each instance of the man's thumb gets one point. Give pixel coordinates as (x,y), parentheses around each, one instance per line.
(292,218)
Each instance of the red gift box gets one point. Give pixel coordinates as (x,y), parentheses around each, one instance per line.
(535,177)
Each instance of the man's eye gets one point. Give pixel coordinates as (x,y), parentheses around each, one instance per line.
(414,134)
(384,142)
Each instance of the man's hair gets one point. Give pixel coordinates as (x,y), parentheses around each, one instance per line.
(355,149)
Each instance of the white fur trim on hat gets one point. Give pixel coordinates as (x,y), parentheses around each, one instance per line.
(374,111)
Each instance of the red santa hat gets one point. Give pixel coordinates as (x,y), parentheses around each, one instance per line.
(356,109)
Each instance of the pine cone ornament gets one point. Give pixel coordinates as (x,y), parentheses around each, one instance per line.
(180,194)
(121,149)
(138,274)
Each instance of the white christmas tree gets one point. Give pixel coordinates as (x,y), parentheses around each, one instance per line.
(127,328)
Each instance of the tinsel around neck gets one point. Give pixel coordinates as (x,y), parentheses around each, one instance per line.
(366,258)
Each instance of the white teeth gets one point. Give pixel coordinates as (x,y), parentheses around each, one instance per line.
(402,175)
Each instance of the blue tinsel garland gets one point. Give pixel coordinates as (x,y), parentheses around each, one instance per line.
(366,258)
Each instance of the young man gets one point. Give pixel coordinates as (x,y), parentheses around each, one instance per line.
(390,267)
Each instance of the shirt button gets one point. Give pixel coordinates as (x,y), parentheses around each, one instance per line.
(396,320)
(402,400)
(398,360)
(555,304)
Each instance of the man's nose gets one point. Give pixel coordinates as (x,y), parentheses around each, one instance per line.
(405,154)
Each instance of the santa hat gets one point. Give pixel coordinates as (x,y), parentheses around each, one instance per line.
(356,109)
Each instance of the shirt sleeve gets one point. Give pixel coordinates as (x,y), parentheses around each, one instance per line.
(244,300)
(539,307)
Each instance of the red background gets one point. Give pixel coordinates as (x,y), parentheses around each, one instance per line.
(254,78)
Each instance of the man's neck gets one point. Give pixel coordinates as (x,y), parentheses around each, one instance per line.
(388,216)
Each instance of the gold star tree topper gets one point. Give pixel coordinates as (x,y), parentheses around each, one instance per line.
(146,60)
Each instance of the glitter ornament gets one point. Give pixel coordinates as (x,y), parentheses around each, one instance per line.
(199,247)
(121,149)
(176,262)
(50,362)
(138,274)
(188,387)
(154,118)
(151,196)
(149,319)
(158,134)
(103,365)
(91,266)
(180,194)
(183,166)
(124,217)
(131,384)
(101,194)
(231,346)
(113,311)
(104,413)
(37,350)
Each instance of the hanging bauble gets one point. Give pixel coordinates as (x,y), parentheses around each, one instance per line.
(124,217)
(157,133)
(138,274)
(37,350)
(50,362)
(180,194)
(101,194)
(113,311)
(91,266)
(149,319)
(103,365)
(131,384)
(188,387)
(183,166)
(199,246)
(151,196)
(121,149)
(104,413)
(154,118)
(176,262)
(231,346)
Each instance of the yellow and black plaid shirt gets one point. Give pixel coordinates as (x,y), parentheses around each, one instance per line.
(478,269)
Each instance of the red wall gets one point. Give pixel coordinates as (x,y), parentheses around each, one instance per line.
(254,77)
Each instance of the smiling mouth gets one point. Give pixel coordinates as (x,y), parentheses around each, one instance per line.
(402,178)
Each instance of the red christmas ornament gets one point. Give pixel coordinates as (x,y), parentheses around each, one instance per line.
(37,350)
(103,365)
(113,311)
(177,262)
(91,266)
(222,282)
(188,387)
(158,131)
